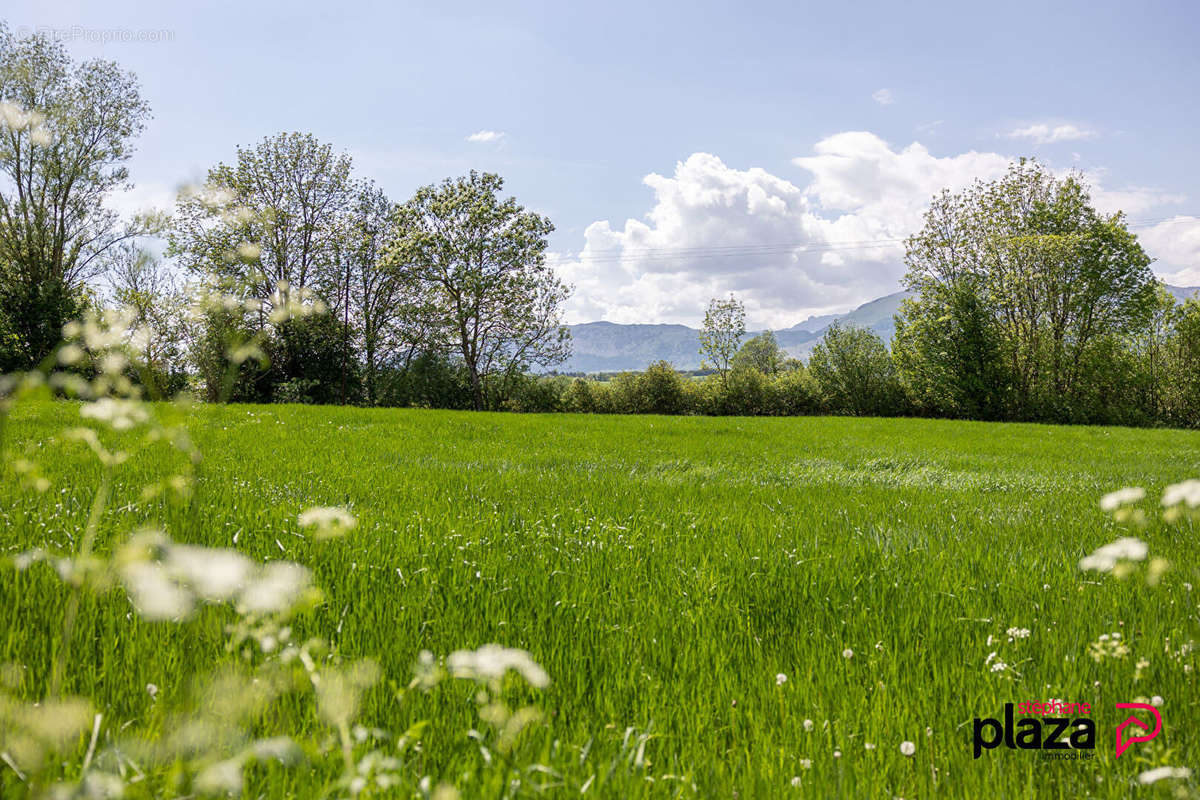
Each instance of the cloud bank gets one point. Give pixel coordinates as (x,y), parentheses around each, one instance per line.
(793,248)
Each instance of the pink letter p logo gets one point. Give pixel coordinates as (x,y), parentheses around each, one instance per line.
(1123,744)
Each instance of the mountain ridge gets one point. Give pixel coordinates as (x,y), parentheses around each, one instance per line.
(604,346)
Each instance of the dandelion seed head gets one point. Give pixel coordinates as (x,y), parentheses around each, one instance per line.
(908,748)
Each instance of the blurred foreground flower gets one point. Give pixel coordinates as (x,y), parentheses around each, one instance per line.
(1106,558)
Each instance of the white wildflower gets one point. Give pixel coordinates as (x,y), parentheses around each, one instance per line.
(154,593)
(808,724)
(806,763)
(1105,558)
(847,653)
(1156,701)
(796,781)
(1187,492)
(119,414)
(249,251)
(1107,646)
(1160,773)
(908,748)
(492,661)
(780,679)
(41,136)
(216,574)
(328,520)
(1018,633)
(152,690)
(277,588)
(223,777)
(1122,497)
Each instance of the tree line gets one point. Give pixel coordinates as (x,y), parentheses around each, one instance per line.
(1028,304)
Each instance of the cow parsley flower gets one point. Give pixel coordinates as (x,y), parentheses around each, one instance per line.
(492,661)
(1105,558)
(1122,497)
(117,413)
(1164,773)
(1187,492)
(329,521)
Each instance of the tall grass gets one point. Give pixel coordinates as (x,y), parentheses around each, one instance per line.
(763,606)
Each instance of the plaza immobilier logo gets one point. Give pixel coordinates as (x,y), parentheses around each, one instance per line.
(1061,730)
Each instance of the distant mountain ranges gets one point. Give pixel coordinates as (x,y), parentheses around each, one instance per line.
(612,347)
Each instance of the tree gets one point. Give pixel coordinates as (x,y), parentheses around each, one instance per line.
(1052,276)
(854,372)
(951,363)
(760,353)
(724,327)
(479,262)
(140,282)
(66,131)
(1182,384)
(391,318)
(276,216)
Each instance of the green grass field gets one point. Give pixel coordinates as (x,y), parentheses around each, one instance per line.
(663,571)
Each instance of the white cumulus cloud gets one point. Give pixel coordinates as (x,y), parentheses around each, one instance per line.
(1041,133)
(485,136)
(1175,242)
(883,97)
(824,239)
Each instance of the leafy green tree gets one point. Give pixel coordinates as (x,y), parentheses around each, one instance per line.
(479,262)
(659,390)
(277,215)
(376,297)
(761,353)
(141,282)
(951,363)
(1182,384)
(1053,276)
(724,327)
(307,363)
(66,131)
(854,372)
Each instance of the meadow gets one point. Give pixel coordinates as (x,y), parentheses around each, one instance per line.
(799,607)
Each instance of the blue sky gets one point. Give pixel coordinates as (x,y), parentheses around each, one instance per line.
(819,126)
